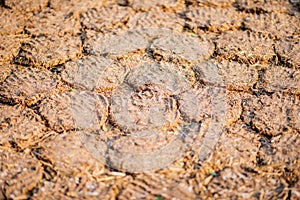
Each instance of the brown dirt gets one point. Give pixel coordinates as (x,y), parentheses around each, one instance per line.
(59,57)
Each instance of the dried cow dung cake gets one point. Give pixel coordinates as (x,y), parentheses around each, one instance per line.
(12,21)
(236,76)
(121,44)
(264,5)
(276,151)
(102,19)
(245,46)
(273,115)
(28,85)
(20,126)
(94,73)
(213,19)
(27,6)
(156,18)
(187,49)
(48,51)
(280,79)
(151,114)
(20,173)
(230,151)
(274,24)
(67,155)
(61,111)
(9,47)
(48,22)
(289,52)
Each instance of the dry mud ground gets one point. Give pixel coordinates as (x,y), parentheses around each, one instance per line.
(46,44)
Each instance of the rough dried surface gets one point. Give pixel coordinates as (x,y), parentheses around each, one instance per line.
(288,52)
(12,22)
(236,76)
(280,79)
(147,5)
(61,110)
(5,70)
(146,87)
(28,85)
(73,157)
(189,49)
(245,46)
(94,73)
(49,22)
(157,19)
(19,173)
(264,6)
(273,24)
(27,5)
(103,20)
(20,126)
(213,3)
(9,47)
(47,51)
(213,19)
(274,114)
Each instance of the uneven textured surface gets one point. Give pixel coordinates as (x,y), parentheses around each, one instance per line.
(162,99)
(245,46)
(48,51)
(214,19)
(36,84)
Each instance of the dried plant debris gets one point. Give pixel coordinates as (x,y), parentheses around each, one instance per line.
(211,3)
(94,73)
(283,149)
(236,182)
(245,46)
(213,19)
(20,173)
(12,22)
(20,126)
(105,18)
(273,115)
(79,186)
(156,186)
(235,76)
(156,19)
(48,22)
(28,85)
(288,52)
(280,79)
(48,51)
(273,24)
(264,5)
